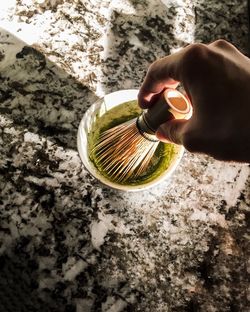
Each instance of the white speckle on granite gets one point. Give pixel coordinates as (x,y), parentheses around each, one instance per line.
(47,282)
(180,246)
(118,306)
(199,215)
(134,41)
(84,305)
(31,137)
(10,46)
(76,268)
(99,230)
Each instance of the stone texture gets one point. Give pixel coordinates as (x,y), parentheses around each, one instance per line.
(66,242)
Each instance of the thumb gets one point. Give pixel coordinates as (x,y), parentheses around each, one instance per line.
(172,131)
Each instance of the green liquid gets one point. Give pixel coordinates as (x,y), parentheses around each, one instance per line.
(159,163)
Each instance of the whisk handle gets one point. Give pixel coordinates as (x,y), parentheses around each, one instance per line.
(171,104)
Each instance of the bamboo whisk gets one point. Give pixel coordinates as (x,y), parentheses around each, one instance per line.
(125,151)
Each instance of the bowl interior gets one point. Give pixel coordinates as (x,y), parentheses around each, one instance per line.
(99,108)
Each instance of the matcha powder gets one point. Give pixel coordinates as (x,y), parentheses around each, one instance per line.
(118,115)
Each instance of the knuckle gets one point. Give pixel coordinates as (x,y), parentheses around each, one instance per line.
(152,70)
(196,55)
(158,64)
(153,66)
(197,51)
(221,43)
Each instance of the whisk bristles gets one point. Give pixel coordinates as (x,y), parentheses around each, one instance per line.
(123,152)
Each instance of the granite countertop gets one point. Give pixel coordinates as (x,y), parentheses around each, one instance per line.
(66,242)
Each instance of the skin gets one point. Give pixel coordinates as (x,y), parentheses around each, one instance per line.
(216,78)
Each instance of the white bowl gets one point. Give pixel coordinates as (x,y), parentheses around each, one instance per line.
(98,109)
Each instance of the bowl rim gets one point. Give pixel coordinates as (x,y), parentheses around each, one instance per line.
(112,98)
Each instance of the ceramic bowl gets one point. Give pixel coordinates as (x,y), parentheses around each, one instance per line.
(98,109)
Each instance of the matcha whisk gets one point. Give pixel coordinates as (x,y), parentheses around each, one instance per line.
(125,151)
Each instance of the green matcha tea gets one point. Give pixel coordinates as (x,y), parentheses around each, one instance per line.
(118,115)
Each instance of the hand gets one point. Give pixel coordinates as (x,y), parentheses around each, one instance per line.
(216,78)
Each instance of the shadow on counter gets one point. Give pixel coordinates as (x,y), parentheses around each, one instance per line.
(38,95)
(43,99)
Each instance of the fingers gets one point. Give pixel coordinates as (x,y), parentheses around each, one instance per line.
(223,46)
(159,77)
(170,70)
(172,131)
(227,49)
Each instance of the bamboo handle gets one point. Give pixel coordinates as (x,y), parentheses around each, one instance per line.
(171,104)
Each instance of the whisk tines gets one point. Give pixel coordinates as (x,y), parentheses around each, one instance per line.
(123,153)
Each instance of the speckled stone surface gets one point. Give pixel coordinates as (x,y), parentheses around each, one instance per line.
(66,242)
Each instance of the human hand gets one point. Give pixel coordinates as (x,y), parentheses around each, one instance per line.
(216,78)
